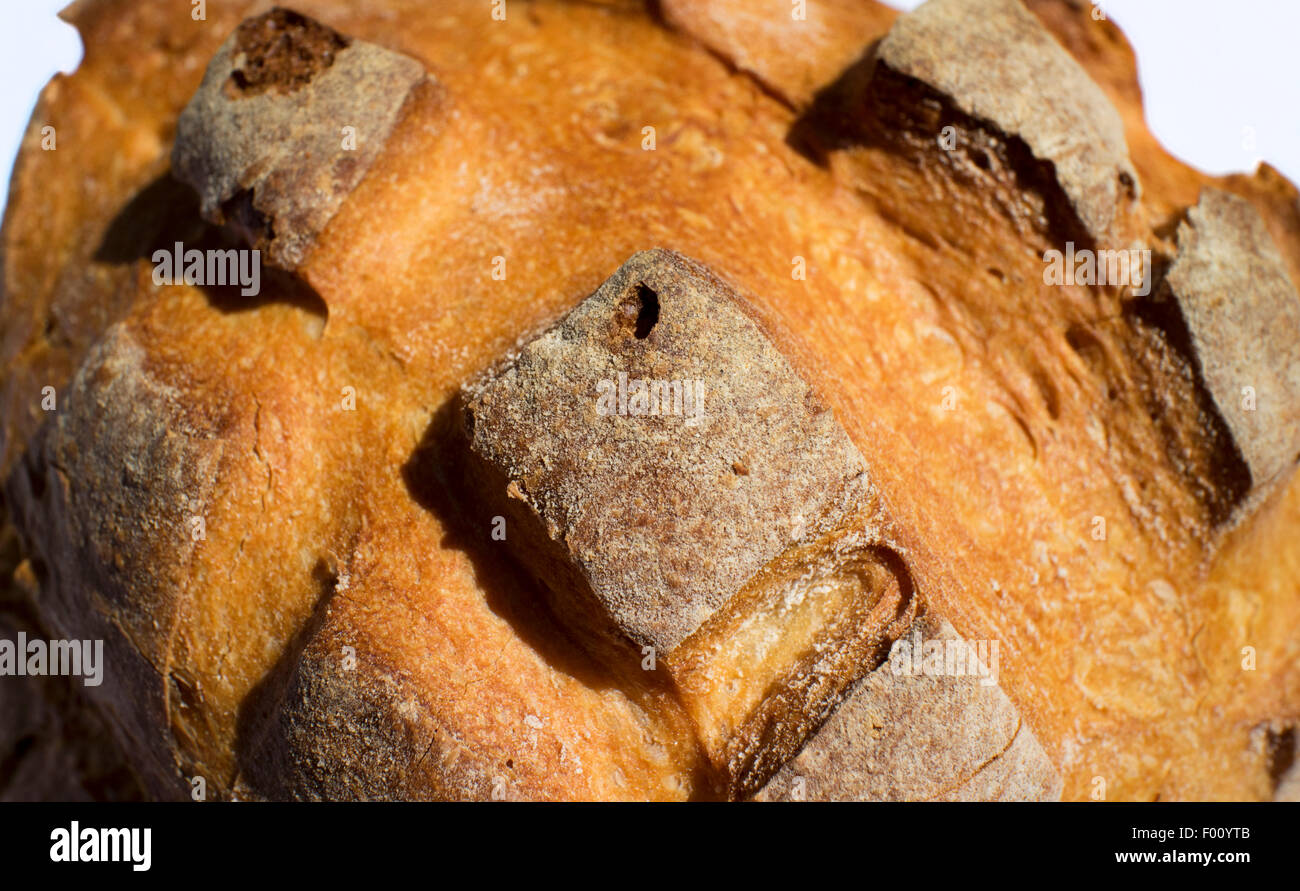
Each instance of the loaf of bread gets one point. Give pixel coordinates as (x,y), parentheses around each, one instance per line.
(693,399)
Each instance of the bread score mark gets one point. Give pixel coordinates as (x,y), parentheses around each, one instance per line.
(900,735)
(995,62)
(289,118)
(1228,310)
(768,668)
(675,530)
(749,555)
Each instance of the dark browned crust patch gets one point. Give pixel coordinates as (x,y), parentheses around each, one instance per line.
(281,52)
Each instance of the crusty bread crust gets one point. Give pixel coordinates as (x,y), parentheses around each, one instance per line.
(344,628)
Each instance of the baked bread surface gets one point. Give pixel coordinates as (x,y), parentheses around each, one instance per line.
(346,627)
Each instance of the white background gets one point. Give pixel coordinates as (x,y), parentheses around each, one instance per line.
(1221,79)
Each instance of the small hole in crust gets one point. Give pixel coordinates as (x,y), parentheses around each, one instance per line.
(36,480)
(647,315)
(1128,185)
(646,308)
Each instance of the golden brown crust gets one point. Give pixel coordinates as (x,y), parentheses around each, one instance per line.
(1123,655)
